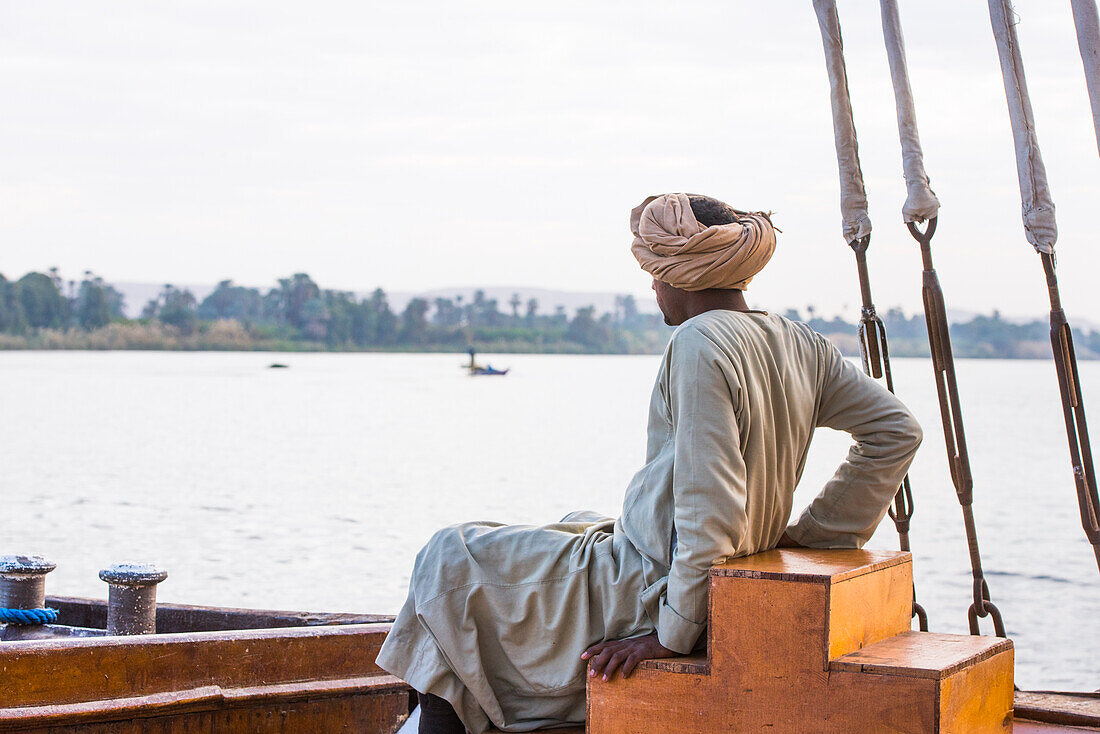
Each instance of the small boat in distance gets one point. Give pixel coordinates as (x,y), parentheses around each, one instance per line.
(476,369)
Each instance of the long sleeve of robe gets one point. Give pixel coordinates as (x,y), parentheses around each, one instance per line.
(497,615)
(731,419)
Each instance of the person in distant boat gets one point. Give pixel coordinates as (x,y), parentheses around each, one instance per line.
(502,621)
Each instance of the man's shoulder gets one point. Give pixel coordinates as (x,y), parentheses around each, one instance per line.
(720,322)
(732,332)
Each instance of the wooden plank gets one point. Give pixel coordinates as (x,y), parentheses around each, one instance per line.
(1024,726)
(868,702)
(810,565)
(1071,709)
(978,698)
(788,626)
(869,608)
(652,701)
(73,670)
(373,714)
(171,618)
(205,698)
(922,654)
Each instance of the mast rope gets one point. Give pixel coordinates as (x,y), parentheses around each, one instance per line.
(921,205)
(856,228)
(1042,232)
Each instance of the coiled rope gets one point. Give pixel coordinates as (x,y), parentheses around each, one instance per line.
(46,615)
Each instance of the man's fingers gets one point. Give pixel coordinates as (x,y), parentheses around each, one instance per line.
(598,647)
(631,663)
(613,665)
(599,661)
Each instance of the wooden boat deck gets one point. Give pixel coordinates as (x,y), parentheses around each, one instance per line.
(1041,711)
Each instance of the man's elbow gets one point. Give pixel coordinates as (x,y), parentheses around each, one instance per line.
(911,431)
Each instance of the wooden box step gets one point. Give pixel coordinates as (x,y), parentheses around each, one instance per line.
(922,655)
(809,640)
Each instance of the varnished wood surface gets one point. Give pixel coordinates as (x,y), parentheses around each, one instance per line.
(977,697)
(303,679)
(774,625)
(203,698)
(810,565)
(1024,726)
(1071,709)
(868,608)
(562,730)
(171,618)
(62,671)
(922,654)
(352,714)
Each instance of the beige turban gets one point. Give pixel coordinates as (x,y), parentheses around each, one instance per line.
(672,246)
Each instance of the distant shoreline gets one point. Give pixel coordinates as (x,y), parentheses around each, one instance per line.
(126,337)
(39,312)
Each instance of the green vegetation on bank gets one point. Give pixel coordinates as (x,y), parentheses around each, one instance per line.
(297,315)
(36,312)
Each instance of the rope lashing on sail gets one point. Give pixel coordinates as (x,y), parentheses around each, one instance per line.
(1042,232)
(922,205)
(46,615)
(856,228)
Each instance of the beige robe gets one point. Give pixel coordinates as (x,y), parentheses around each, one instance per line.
(498,616)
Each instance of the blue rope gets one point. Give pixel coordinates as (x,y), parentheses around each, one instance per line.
(28,616)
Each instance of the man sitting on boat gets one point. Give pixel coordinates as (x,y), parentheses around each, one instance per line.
(501,621)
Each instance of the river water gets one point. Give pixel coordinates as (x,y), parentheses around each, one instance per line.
(313,487)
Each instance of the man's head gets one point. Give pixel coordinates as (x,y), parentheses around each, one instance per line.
(698,250)
(710,212)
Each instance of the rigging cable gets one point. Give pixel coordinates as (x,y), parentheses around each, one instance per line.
(1041,231)
(921,205)
(1088,40)
(857,233)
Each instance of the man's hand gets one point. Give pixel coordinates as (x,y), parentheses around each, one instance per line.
(607,657)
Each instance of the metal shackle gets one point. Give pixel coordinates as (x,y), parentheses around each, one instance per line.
(132,599)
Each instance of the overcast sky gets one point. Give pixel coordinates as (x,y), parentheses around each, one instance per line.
(420,145)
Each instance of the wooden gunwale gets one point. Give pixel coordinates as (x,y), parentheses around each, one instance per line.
(203,698)
(83,612)
(1055,707)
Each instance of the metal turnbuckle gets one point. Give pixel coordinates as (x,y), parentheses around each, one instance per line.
(1073,410)
(954,433)
(874,351)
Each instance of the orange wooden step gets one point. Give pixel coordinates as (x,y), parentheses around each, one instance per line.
(794,636)
(963,681)
(922,655)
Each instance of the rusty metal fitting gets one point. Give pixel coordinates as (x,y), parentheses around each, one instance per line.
(23,581)
(132,599)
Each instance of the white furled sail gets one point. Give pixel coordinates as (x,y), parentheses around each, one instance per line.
(1038,207)
(921,203)
(1088,40)
(853,195)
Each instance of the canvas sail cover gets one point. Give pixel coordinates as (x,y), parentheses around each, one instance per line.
(1088,40)
(1037,205)
(921,203)
(853,196)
